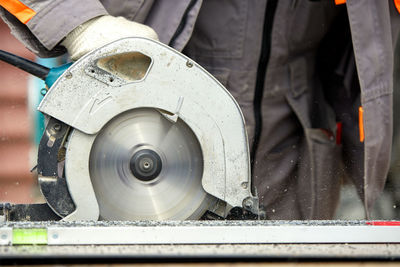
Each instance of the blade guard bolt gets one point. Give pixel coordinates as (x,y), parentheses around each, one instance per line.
(68,75)
(57,127)
(248,204)
(189,64)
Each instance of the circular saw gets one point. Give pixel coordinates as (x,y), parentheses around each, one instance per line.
(137,131)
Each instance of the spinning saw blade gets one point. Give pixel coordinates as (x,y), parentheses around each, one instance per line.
(143,166)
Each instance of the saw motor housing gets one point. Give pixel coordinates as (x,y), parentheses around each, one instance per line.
(130,75)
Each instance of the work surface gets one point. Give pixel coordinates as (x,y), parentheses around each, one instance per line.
(201,239)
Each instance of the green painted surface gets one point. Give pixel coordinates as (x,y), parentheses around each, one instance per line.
(29,236)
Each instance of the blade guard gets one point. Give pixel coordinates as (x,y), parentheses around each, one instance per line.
(90,93)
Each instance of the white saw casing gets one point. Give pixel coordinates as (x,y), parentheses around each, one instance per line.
(87,97)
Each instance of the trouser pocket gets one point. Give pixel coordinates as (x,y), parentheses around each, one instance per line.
(319,166)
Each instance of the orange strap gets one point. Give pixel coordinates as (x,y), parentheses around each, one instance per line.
(18,9)
(397,4)
(361,123)
(339,2)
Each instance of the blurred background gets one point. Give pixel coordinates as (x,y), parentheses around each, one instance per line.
(17,183)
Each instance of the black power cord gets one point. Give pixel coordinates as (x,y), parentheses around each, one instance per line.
(25,64)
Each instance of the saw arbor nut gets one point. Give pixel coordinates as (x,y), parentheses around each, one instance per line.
(146,165)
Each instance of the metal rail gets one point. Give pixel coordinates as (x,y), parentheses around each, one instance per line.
(199,232)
